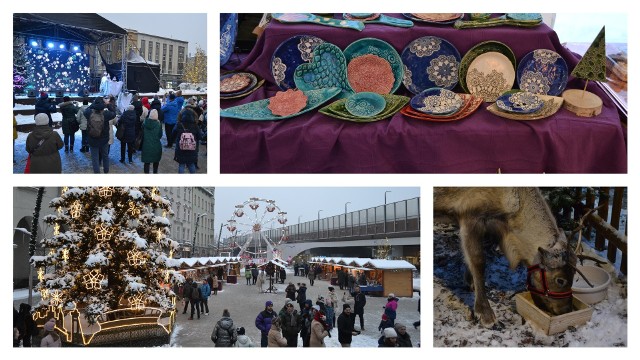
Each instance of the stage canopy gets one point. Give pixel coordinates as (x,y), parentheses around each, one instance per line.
(142,76)
(80,27)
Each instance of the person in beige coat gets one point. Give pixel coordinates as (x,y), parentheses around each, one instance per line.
(318,328)
(275,338)
(50,338)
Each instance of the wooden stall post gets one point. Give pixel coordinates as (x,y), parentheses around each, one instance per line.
(603,212)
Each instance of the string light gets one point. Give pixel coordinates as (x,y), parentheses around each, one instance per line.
(133,209)
(65,255)
(64,190)
(154,191)
(59,210)
(41,274)
(44,294)
(56,229)
(137,301)
(75,209)
(56,298)
(102,233)
(159,235)
(135,258)
(105,191)
(92,279)
(167,276)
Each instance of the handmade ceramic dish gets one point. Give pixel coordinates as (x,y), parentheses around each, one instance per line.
(258,110)
(454,18)
(543,72)
(380,49)
(225,78)
(472,103)
(381,19)
(318,20)
(338,109)
(370,73)
(234,83)
(370,16)
(429,62)
(228,33)
(365,104)
(551,105)
(489,75)
(520,102)
(437,101)
(245,93)
(361,15)
(286,103)
(289,55)
(477,50)
(327,69)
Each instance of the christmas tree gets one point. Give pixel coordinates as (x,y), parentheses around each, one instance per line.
(19,68)
(195,71)
(109,251)
(593,65)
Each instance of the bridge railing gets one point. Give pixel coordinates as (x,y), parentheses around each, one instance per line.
(393,218)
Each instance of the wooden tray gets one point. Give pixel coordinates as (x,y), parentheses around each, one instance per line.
(552,324)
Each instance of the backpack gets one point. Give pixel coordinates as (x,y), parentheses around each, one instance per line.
(95,124)
(187,140)
(195,294)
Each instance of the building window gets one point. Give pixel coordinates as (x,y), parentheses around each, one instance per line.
(157,52)
(150,50)
(142,48)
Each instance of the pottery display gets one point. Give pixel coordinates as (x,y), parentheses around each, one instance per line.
(489,75)
(521,102)
(365,104)
(289,55)
(543,72)
(429,62)
(381,49)
(437,101)
(477,50)
(551,105)
(327,69)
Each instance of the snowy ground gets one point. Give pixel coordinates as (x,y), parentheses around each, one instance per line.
(78,163)
(245,302)
(454,326)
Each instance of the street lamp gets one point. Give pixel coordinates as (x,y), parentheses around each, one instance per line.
(345,216)
(385,210)
(219,235)
(196,229)
(319,224)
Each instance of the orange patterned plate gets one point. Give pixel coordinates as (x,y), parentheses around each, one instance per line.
(370,73)
(286,103)
(234,83)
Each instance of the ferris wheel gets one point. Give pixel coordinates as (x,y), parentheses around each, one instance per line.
(249,225)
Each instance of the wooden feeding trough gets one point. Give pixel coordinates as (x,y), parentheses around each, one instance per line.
(548,323)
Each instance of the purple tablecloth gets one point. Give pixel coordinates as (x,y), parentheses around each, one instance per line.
(481,143)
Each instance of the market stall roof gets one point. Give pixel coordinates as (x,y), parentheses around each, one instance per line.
(80,27)
(361,263)
(210,261)
(390,264)
(272,262)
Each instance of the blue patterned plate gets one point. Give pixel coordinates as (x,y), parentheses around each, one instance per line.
(543,72)
(520,102)
(327,69)
(381,49)
(365,104)
(437,101)
(289,55)
(429,62)
(258,110)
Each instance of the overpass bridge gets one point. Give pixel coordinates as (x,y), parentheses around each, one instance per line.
(399,222)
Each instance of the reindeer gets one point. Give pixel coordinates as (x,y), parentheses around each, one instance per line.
(520,220)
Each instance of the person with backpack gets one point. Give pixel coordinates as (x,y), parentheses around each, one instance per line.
(171,109)
(224,333)
(195,299)
(45,105)
(98,124)
(127,130)
(187,135)
(68,109)
(186,295)
(82,125)
(151,146)
(42,145)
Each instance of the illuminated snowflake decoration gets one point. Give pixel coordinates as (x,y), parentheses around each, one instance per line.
(133,209)
(65,254)
(167,276)
(41,274)
(105,191)
(137,301)
(154,192)
(44,294)
(56,298)
(75,209)
(171,254)
(59,210)
(65,189)
(159,235)
(56,229)
(103,233)
(135,258)
(92,279)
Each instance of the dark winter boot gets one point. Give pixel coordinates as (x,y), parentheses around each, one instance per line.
(66,148)
(71,148)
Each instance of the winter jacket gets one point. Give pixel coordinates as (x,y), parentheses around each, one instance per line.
(145,103)
(195,293)
(275,338)
(260,280)
(171,109)
(128,120)
(333,299)
(156,104)
(247,274)
(263,321)
(187,289)
(105,136)
(345,328)
(291,292)
(224,333)
(291,323)
(254,272)
(306,318)
(318,333)
(45,159)
(404,340)
(244,341)
(205,291)
(82,121)
(360,300)
(45,105)
(186,156)
(383,342)
(24,321)
(302,295)
(151,146)
(390,309)
(68,111)
(48,341)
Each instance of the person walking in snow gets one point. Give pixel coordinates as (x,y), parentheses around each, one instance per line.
(291,323)
(243,339)
(263,322)
(128,120)
(215,285)
(224,333)
(260,281)
(43,145)
(247,274)
(99,138)
(345,326)
(186,295)
(302,295)
(68,109)
(307,318)
(290,291)
(24,321)
(360,301)
(151,146)
(390,309)
(171,109)
(319,329)
(205,292)
(331,301)
(195,299)
(254,273)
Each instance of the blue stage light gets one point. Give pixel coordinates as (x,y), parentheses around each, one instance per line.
(50,44)
(61,46)
(76,48)
(34,43)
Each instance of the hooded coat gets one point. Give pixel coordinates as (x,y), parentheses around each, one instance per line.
(244,341)
(45,159)
(318,333)
(151,146)
(186,156)
(263,320)
(156,104)
(275,338)
(224,333)
(128,120)
(68,111)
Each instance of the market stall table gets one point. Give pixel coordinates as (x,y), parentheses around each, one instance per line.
(481,143)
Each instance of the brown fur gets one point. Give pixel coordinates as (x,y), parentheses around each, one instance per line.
(519,220)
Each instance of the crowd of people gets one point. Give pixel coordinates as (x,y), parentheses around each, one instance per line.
(139,127)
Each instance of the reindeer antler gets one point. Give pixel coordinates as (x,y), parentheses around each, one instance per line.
(581,226)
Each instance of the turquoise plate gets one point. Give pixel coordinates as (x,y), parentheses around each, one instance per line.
(381,49)
(365,104)
(328,68)
(258,110)
(520,102)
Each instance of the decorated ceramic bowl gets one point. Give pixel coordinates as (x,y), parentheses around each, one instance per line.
(365,104)
(437,101)
(520,102)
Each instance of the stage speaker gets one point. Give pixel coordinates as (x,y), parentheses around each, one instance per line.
(59,93)
(31,93)
(83,93)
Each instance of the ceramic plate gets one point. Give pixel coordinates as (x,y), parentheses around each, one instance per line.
(532,17)
(378,48)
(479,49)
(436,101)
(228,32)
(471,104)
(551,105)
(258,110)
(430,62)
(489,75)
(543,72)
(247,92)
(368,17)
(289,55)
(521,102)
(234,83)
(365,104)
(327,69)
(445,22)
(370,73)
(318,20)
(338,110)
(253,82)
